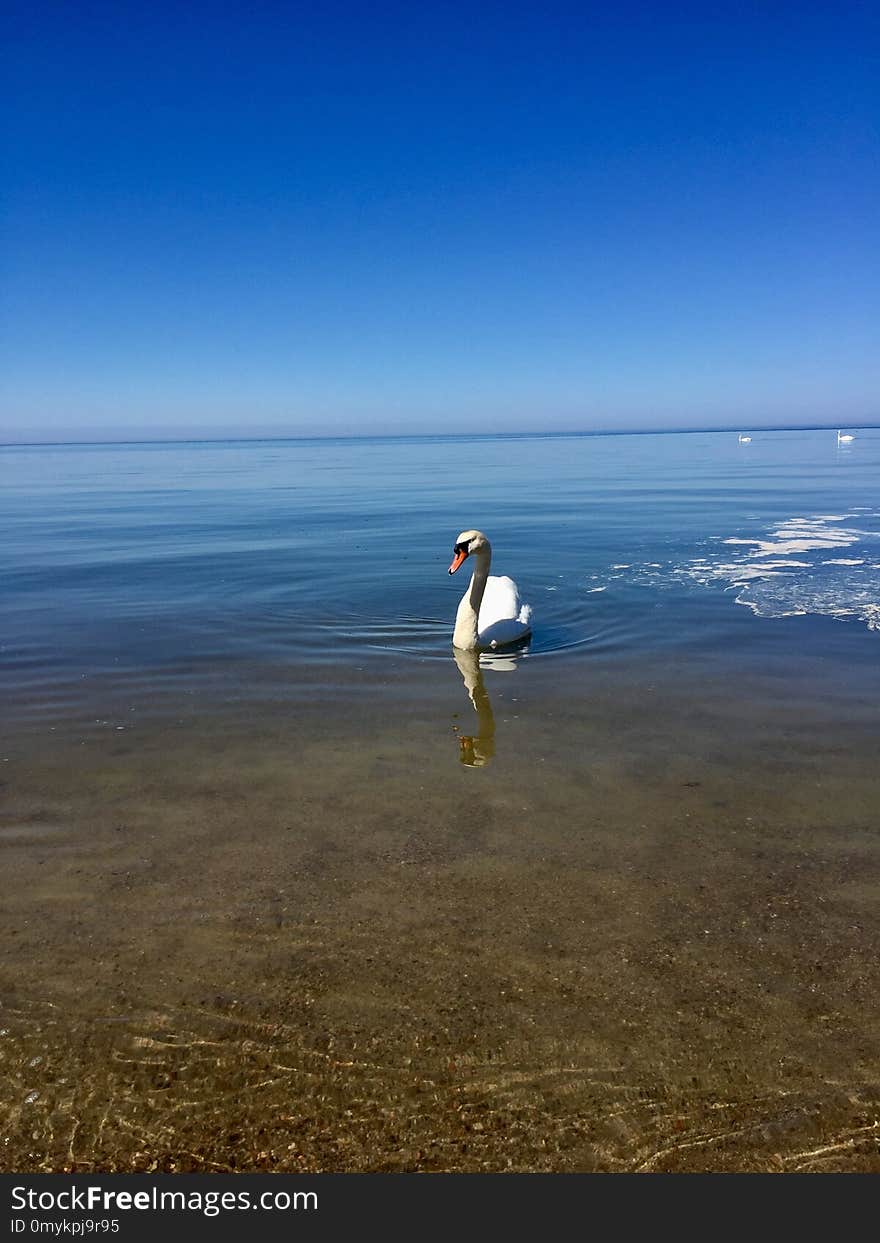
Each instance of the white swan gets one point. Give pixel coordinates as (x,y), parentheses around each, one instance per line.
(491,613)
(843,438)
(744,439)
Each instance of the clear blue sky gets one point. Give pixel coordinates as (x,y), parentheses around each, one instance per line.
(278,218)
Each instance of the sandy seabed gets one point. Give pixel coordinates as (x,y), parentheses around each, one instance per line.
(303,936)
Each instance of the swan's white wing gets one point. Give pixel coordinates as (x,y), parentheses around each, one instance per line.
(503,616)
(500,600)
(506,630)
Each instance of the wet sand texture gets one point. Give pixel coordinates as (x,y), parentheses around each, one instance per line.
(644,937)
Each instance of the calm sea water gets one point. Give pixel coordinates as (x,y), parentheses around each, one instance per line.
(149,566)
(291,888)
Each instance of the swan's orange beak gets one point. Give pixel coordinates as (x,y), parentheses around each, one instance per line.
(457,560)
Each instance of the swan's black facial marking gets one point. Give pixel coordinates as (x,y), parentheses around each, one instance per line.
(459,556)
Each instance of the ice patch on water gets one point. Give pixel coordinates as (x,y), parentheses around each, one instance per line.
(774,576)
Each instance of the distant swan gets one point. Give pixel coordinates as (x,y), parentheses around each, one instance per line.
(491,613)
(843,438)
(744,440)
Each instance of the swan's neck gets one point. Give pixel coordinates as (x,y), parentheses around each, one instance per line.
(468,616)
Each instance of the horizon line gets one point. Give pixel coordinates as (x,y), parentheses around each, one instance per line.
(524,435)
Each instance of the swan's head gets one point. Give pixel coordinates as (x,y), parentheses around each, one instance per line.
(468,544)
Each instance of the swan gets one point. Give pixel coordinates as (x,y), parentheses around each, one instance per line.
(744,440)
(491,613)
(843,438)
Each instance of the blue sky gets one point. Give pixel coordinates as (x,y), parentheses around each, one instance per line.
(321,218)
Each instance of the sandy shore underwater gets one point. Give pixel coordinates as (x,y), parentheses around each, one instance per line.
(296,935)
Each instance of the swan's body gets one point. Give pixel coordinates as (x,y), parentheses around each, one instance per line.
(744,440)
(491,613)
(843,438)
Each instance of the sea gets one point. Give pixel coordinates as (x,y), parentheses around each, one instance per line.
(172,567)
(606,900)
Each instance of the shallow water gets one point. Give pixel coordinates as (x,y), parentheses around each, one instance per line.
(279,897)
(139,561)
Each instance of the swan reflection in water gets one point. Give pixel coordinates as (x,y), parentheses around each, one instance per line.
(476,750)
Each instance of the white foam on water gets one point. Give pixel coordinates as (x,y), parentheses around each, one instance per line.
(800,535)
(773,575)
(776,580)
(736,574)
